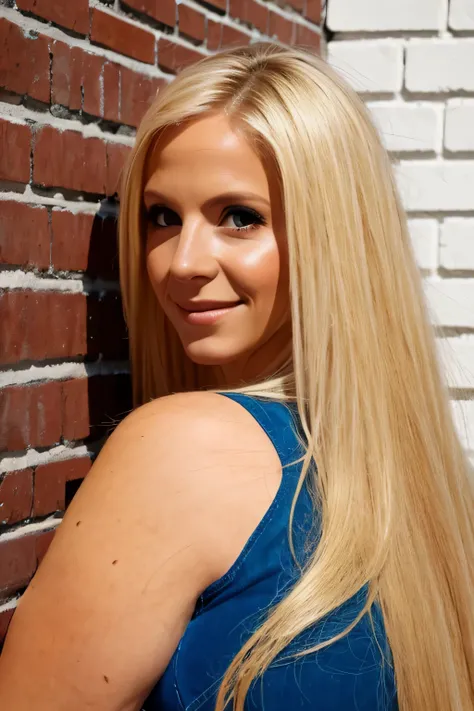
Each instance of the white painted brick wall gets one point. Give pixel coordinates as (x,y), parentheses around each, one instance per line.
(409,127)
(424,237)
(461,15)
(440,65)
(451,302)
(378,15)
(457,358)
(459,124)
(372,66)
(456,244)
(420,91)
(437,185)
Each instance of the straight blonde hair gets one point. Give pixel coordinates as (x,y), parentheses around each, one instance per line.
(392,483)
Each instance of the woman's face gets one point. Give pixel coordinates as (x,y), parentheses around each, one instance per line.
(216,247)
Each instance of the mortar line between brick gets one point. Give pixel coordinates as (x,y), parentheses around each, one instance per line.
(10,462)
(20,114)
(48,524)
(61,371)
(56,33)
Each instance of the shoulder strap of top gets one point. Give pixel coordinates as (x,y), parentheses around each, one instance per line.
(278,419)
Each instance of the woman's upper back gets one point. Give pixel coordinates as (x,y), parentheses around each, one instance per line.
(352,674)
(165,513)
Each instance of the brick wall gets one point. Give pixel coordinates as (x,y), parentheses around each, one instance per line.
(75,78)
(413,61)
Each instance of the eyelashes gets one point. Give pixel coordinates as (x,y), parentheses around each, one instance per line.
(239,218)
(160,216)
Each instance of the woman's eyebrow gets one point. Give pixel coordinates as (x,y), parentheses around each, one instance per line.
(221,199)
(236,197)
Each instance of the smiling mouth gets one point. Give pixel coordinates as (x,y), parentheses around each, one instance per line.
(207,316)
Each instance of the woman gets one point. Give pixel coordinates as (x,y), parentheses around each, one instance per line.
(286,521)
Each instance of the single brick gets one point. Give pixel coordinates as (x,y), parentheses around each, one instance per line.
(16,496)
(173,56)
(434,186)
(73,15)
(232,37)
(76,468)
(451,301)
(370,66)
(214,35)
(409,126)
(251,13)
(66,79)
(191,23)
(281,28)
(82,80)
(111,92)
(457,244)
(307,37)
(122,36)
(17,563)
(50,486)
(313,10)
(42,543)
(440,65)
(41,324)
(386,16)
(161,10)
(24,234)
(116,156)
(69,160)
(220,36)
(424,239)
(15,143)
(92,83)
(137,93)
(24,62)
(75,408)
(461,15)
(30,416)
(459,122)
(70,239)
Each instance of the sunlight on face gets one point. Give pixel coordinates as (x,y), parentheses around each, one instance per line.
(216,246)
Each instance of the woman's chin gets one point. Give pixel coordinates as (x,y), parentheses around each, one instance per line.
(209,356)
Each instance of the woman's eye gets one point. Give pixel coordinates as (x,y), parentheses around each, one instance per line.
(242,218)
(163,217)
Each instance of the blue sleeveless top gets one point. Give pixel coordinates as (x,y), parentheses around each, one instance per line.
(352,674)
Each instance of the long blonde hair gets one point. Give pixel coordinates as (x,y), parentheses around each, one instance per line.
(392,479)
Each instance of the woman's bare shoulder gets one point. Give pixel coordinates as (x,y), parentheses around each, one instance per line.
(165,509)
(192,430)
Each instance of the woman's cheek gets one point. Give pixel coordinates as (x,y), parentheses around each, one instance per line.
(156,275)
(260,266)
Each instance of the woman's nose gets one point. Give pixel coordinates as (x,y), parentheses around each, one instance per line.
(194,254)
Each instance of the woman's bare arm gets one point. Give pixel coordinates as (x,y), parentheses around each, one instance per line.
(100,620)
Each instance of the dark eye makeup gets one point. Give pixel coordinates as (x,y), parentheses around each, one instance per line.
(241,217)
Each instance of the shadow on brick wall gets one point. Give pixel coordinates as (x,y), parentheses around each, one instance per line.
(109,396)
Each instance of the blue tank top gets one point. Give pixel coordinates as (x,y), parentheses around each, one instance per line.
(352,674)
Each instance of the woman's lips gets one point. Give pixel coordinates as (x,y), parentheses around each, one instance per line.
(204,318)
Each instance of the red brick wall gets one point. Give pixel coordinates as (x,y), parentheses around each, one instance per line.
(75,78)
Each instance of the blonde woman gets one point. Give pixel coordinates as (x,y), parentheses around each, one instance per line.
(285,521)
